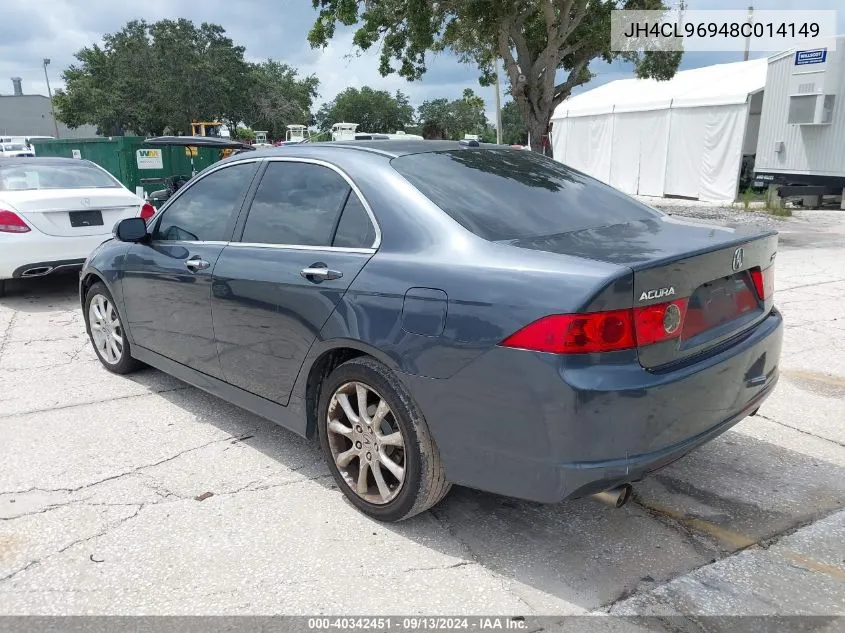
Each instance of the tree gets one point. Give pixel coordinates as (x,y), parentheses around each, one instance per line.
(453,119)
(514,128)
(110,82)
(278,98)
(534,38)
(202,75)
(148,77)
(433,131)
(244,134)
(372,110)
(488,134)
(433,115)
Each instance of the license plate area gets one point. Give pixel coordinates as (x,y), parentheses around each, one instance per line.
(719,302)
(86,218)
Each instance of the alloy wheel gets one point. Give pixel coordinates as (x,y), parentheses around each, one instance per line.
(366,442)
(106,330)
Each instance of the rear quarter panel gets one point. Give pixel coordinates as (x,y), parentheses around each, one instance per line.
(489,294)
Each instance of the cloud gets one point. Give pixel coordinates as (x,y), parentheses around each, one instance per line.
(339,66)
(31,30)
(266,28)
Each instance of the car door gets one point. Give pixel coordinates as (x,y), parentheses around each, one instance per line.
(305,237)
(167,280)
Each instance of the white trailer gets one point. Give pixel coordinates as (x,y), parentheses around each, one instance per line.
(296,133)
(344,131)
(801,143)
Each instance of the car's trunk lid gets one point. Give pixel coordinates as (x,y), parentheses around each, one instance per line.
(673,259)
(73,212)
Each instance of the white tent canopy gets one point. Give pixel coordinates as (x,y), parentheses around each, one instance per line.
(682,137)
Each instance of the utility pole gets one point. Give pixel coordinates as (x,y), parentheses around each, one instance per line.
(498,107)
(748,39)
(50,96)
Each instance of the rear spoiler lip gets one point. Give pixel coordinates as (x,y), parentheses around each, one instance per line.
(739,241)
(609,294)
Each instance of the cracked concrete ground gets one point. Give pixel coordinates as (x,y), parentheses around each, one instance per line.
(140,495)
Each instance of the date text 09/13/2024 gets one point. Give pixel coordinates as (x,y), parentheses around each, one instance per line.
(417,623)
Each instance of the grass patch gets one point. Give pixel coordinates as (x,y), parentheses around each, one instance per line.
(746,198)
(768,205)
(779,211)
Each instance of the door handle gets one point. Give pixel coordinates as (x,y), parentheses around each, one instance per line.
(315,273)
(196,264)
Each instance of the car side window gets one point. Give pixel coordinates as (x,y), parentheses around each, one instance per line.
(204,211)
(355,229)
(297,204)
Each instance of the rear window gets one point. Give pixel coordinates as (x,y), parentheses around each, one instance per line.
(503,194)
(70,175)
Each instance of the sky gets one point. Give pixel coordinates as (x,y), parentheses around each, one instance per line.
(31,30)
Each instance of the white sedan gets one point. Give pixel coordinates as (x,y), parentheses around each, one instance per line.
(55,211)
(14,150)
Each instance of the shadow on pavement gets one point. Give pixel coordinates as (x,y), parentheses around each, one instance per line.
(733,493)
(729,495)
(42,294)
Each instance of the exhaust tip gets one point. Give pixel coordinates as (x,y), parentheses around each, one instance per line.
(37,272)
(615,497)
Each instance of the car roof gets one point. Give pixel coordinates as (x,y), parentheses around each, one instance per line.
(42,160)
(388,147)
(197,141)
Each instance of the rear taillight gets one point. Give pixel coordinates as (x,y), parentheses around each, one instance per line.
(602,331)
(12,223)
(147,211)
(576,333)
(659,322)
(764,282)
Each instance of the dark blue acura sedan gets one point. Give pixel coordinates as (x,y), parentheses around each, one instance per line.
(444,312)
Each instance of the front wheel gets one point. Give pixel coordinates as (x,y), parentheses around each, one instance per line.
(377,443)
(106,331)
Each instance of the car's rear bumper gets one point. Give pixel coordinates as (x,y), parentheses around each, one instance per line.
(26,251)
(586,478)
(547,428)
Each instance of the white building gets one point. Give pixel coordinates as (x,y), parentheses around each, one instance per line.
(682,137)
(802,132)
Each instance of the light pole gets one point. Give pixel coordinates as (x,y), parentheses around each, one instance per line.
(748,39)
(498,108)
(50,96)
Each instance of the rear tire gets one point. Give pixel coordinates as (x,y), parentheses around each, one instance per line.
(105,329)
(403,472)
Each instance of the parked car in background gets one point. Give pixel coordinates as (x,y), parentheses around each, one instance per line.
(15,150)
(440,312)
(30,144)
(54,211)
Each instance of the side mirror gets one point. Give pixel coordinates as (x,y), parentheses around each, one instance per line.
(130,230)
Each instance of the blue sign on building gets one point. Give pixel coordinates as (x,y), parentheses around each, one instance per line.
(815,56)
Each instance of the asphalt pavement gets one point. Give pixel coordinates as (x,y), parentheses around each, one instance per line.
(140,495)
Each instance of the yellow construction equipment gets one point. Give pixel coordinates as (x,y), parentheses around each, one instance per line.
(206,128)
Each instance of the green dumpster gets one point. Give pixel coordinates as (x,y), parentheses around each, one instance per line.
(129,160)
